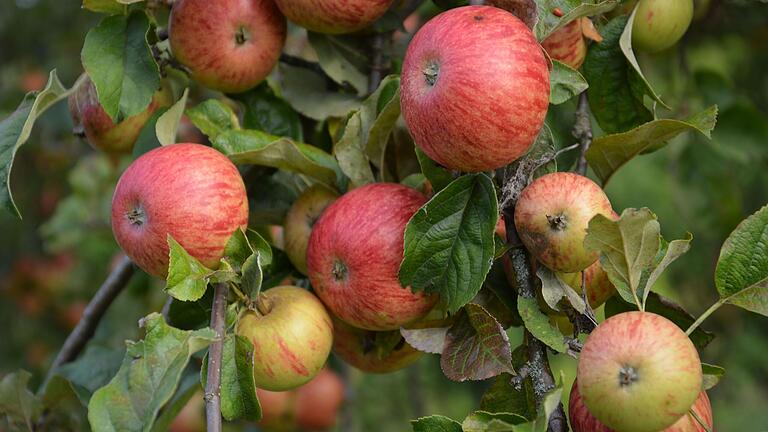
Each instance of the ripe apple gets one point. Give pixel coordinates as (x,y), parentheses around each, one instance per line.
(583,421)
(358,348)
(354,255)
(242,43)
(318,401)
(335,16)
(567,44)
(89,118)
(304,212)
(659,24)
(552,215)
(638,372)
(33,80)
(277,408)
(191,418)
(190,191)
(291,334)
(474,88)
(599,287)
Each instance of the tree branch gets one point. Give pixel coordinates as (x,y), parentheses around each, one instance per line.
(213,382)
(582,130)
(379,65)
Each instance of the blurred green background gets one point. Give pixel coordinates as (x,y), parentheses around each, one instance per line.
(53,260)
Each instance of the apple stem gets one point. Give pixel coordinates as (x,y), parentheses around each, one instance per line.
(704,316)
(263,305)
(213,383)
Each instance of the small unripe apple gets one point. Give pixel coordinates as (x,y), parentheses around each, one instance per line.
(333,16)
(291,333)
(599,287)
(304,212)
(567,44)
(318,401)
(659,24)
(638,372)
(358,347)
(189,191)
(552,215)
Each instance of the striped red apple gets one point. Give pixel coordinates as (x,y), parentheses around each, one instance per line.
(334,16)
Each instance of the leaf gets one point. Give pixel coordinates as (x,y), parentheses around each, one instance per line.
(564,83)
(117,57)
(147,378)
(538,324)
(266,111)
(110,7)
(553,289)
(476,347)
(741,276)
(246,146)
(213,117)
(189,386)
(549,22)
(16,128)
(504,396)
(92,370)
(18,404)
(307,93)
(436,423)
(625,42)
(238,388)
(147,139)
(429,340)
(668,253)
(187,278)
(482,421)
(551,401)
(449,242)
(351,155)
(191,315)
(168,124)
(330,54)
(608,153)
(712,375)
(438,176)
(253,276)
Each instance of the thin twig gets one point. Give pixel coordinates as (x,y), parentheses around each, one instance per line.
(378,64)
(212,386)
(582,130)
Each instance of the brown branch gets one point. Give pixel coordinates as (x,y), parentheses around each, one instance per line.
(379,61)
(582,130)
(213,382)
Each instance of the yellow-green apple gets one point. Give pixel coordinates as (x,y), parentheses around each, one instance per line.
(583,421)
(189,191)
(659,24)
(474,88)
(599,287)
(191,418)
(291,333)
(358,347)
(90,119)
(304,212)
(552,215)
(333,17)
(318,401)
(277,408)
(228,45)
(638,372)
(567,44)
(354,256)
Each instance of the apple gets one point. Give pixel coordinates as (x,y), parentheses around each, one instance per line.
(552,215)
(227,45)
(277,408)
(299,222)
(599,287)
(90,119)
(33,80)
(659,24)
(358,348)
(354,255)
(334,16)
(583,421)
(291,333)
(191,418)
(638,372)
(318,401)
(474,88)
(189,191)
(567,44)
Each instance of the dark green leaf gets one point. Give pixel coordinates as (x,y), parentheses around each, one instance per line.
(332,52)
(438,176)
(238,388)
(504,396)
(213,117)
(18,404)
(564,83)
(191,315)
(307,92)
(92,370)
(147,139)
(266,111)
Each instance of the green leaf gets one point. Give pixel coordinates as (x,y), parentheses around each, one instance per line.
(608,153)
(331,52)
(238,388)
(147,139)
(168,124)
(110,7)
(476,347)
(16,128)
(117,57)
(266,111)
(438,176)
(307,93)
(668,253)
(625,42)
(187,278)
(548,22)
(189,386)
(191,315)
(741,276)
(553,289)
(63,408)
(482,421)
(213,117)
(564,83)
(92,370)
(538,324)
(436,423)
(350,153)
(18,404)
(712,375)
(147,378)
(449,242)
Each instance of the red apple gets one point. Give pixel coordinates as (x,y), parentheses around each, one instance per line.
(291,334)
(101,132)
(277,408)
(191,418)
(659,24)
(638,372)
(33,80)
(567,44)
(599,287)
(228,45)
(583,421)
(474,88)
(334,16)
(190,191)
(318,401)
(358,348)
(552,215)
(304,212)
(354,255)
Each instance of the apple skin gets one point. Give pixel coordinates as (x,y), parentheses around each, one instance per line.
(474,88)
(318,401)
(659,24)
(552,215)
(583,421)
(354,256)
(304,212)
(242,43)
(599,287)
(357,347)
(567,45)
(638,372)
(190,191)
(277,408)
(291,341)
(334,16)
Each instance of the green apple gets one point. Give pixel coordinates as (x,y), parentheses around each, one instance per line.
(304,212)
(659,24)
